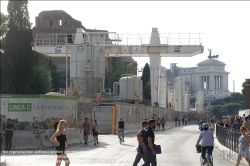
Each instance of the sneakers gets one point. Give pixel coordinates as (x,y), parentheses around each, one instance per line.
(97,142)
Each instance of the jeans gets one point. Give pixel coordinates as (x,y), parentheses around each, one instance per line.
(8,142)
(140,155)
(149,157)
(122,134)
(203,151)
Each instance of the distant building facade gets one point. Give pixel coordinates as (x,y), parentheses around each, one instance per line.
(210,76)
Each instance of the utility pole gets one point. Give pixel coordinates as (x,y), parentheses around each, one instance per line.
(233,86)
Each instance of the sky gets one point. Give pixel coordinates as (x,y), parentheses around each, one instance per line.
(225,26)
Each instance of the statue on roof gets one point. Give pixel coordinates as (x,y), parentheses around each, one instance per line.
(210,56)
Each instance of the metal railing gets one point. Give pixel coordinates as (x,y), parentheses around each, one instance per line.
(228,137)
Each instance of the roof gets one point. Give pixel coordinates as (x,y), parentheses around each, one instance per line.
(211,62)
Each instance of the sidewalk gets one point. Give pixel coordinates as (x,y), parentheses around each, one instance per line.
(227,154)
(3,161)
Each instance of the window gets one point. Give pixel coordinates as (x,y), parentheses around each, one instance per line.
(50,24)
(60,22)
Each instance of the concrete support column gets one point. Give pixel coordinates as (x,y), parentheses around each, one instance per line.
(155,67)
(221,82)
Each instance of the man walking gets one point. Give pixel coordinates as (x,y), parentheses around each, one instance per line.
(86,126)
(186,119)
(163,123)
(121,126)
(140,153)
(8,134)
(95,131)
(149,137)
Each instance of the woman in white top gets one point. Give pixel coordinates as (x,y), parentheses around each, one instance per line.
(211,125)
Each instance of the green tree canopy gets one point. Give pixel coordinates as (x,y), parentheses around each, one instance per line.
(145,75)
(4,29)
(147,91)
(232,108)
(218,102)
(216,110)
(243,90)
(18,55)
(228,99)
(238,97)
(115,72)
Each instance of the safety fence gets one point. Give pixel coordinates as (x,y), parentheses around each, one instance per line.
(228,137)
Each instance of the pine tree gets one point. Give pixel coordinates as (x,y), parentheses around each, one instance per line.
(18,53)
(145,75)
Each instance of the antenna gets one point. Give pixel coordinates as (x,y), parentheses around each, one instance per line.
(233,86)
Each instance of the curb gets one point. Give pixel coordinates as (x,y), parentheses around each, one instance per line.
(226,153)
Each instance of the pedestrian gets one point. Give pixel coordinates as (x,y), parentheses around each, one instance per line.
(163,123)
(86,127)
(236,125)
(186,119)
(121,126)
(95,131)
(175,121)
(226,122)
(158,124)
(221,122)
(140,152)
(201,122)
(183,121)
(8,134)
(179,122)
(211,125)
(60,138)
(243,146)
(148,139)
(243,118)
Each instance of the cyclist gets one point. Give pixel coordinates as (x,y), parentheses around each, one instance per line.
(207,141)
(121,125)
(201,122)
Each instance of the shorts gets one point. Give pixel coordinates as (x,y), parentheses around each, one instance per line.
(86,134)
(158,124)
(95,133)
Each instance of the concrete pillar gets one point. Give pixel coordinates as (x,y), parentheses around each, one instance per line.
(155,67)
(221,82)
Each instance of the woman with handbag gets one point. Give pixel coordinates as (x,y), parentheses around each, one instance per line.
(60,139)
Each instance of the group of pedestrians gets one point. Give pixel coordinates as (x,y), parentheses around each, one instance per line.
(146,147)
(177,121)
(61,141)
(161,122)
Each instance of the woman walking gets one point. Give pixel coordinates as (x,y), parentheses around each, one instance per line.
(243,146)
(211,125)
(60,139)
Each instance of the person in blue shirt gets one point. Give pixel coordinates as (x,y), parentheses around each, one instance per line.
(207,141)
(236,125)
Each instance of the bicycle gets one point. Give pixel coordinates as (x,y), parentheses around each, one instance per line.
(209,159)
(119,131)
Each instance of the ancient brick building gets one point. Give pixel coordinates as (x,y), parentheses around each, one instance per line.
(56,27)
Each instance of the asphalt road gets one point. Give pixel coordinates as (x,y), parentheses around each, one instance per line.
(177,149)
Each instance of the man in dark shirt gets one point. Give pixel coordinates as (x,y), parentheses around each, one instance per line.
(121,125)
(140,153)
(149,137)
(8,134)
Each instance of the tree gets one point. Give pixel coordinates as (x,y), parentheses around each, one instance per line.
(41,81)
(18,55)
(145,75)
(243,90)
(216,110)
(238,97)
(192,100)
(147,91)
(218,102)
(55,76)
(232,108)
(4,29)
(115,72)
(228,99)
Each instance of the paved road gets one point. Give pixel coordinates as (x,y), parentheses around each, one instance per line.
(177,147)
